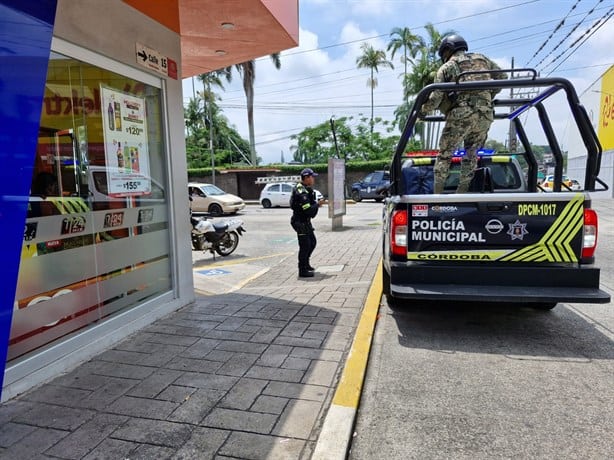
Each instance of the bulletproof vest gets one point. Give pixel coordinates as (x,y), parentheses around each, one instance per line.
(469,62)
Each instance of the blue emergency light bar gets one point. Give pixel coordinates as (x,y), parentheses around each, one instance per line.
(481,152)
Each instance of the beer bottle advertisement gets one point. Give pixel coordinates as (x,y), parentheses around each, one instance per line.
(126,143)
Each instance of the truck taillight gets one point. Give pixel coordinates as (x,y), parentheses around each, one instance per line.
(589,241)
(398,233)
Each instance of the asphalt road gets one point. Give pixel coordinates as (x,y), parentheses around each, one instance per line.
(451,381)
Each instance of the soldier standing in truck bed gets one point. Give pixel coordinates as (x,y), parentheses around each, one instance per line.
(469,114)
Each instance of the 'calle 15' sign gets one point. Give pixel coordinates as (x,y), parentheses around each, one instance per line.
(153,60)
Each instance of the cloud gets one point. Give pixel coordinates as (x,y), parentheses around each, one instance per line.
(370,8)
(319,79)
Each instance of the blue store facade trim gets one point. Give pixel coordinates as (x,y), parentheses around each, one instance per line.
(27,29)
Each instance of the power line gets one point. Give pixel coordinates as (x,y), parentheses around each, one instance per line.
(413,28)
(568,34)
(597,25)
(558,26)
(525,37)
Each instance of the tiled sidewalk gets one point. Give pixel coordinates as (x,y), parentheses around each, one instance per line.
(249,374)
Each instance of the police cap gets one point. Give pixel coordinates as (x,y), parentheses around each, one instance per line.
(308,172)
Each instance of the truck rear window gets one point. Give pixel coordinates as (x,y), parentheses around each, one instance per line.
(504,176)
(505,172)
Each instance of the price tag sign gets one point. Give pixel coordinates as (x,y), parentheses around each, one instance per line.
(126,143)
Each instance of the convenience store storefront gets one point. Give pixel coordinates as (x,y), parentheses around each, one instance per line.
(93,205)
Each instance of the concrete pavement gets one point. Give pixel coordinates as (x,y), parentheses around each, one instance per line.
(245,374)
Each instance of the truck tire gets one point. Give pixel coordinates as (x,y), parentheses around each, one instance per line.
(356,196)
(385,282)
(393,302)
(545,306)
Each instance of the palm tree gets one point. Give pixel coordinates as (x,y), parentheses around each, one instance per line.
(247,70)
(425,62)
(372,59)
(207,95)
(409,42)
(193,115)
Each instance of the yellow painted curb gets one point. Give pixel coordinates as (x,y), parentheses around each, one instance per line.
(350,386)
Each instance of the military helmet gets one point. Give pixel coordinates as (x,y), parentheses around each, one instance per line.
(451,44)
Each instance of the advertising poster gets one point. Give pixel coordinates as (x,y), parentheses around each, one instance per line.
(336,185)
(125,143)
(606,111)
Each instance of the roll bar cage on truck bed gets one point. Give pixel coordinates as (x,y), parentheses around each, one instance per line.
(517,107)
(515,245)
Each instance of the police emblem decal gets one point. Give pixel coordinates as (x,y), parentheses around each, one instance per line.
(517,230)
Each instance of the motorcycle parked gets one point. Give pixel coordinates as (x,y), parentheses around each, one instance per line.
(221,237)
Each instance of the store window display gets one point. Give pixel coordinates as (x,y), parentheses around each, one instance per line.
(96,239)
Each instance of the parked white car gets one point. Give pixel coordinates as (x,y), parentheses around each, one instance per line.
(278,194)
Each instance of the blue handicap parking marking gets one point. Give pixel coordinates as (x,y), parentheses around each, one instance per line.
(213,272)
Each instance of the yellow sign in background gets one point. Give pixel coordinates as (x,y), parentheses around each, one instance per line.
(606,111)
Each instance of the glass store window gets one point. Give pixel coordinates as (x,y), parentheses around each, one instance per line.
(96,238)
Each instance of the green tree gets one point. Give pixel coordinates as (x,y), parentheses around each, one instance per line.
(194,115)
(315,144)
(372,59)
(425,60)
(247,71)
(403,38)
(495,145)
(228,145)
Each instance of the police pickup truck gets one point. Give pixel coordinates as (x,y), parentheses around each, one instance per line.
(504,241)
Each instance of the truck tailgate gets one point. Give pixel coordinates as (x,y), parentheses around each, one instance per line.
(501,247)
(531,228)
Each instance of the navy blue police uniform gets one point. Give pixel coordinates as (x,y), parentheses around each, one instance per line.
(304,208)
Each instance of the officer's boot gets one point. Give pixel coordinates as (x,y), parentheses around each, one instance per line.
(304,272)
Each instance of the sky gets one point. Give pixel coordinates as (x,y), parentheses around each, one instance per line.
(319,80)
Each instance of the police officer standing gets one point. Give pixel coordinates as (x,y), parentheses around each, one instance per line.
(469,114)
(304,208)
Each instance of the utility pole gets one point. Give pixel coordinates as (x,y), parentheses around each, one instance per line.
(332,127)
(511,137)
(211,132)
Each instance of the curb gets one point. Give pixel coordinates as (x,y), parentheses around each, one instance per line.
(336,432)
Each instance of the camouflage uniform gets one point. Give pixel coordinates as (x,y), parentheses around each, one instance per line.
(468,116)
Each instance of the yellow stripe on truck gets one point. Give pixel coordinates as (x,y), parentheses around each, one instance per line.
(555,245)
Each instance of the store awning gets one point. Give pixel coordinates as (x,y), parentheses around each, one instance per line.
(216,34)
